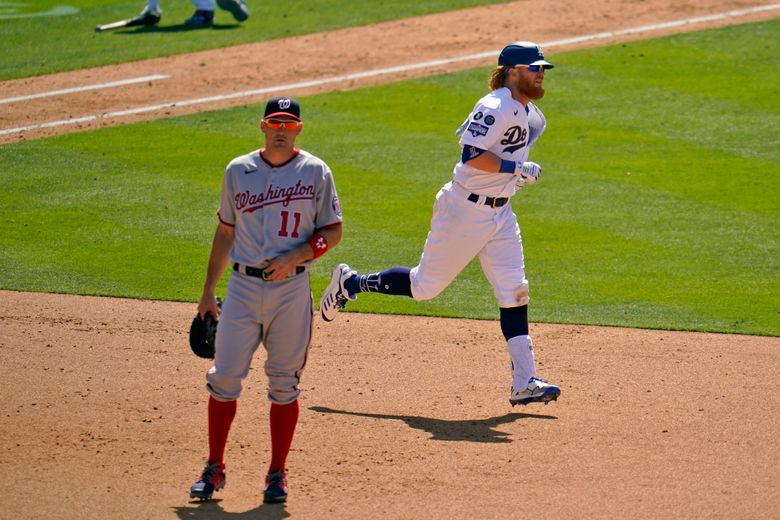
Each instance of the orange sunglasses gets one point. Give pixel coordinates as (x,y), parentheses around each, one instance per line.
(276,124)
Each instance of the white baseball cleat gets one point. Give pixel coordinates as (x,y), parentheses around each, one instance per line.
(336,296)
(537,391)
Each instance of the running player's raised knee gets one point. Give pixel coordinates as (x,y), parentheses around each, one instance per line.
(513,296)
(424,288)
(425,292)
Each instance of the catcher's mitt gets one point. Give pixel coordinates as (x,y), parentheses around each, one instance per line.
(203,332)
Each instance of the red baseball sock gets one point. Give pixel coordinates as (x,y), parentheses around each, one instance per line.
(221,415)
(284,418)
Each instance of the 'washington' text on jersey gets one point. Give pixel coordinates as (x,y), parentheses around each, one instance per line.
(249,202)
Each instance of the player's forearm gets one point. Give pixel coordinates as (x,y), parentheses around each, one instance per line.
(219,257)
(332,234)
(323,240)
(487,162)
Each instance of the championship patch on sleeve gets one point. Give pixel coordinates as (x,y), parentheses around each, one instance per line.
(477,129)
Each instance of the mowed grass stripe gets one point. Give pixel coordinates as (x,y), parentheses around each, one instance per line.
(641,218)
(69,42)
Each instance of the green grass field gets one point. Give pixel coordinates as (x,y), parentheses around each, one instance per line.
(64,37)
(658,206)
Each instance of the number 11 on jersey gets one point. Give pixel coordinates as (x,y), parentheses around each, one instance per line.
(285,222)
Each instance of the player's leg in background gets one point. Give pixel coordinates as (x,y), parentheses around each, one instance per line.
(151,14)
(203,16)
(237,8)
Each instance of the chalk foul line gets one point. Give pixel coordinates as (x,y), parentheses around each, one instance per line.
(387,70)
(85,88)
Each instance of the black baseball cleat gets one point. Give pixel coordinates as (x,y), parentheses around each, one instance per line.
(147,17)
(212,479)
(275,487)
(201,18)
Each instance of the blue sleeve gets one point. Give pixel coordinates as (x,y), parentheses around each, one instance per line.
(470,152)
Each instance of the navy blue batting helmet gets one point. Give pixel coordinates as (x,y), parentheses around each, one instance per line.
(523,53)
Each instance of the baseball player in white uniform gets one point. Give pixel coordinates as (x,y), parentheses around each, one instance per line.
(279,211)
(472,216)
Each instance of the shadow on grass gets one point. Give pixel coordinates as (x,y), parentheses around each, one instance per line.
(147,29)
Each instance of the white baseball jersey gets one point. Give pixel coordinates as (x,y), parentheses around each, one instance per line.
(462,229)
(502,125)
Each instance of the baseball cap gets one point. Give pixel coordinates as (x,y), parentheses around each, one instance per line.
(523,53)
(279,106)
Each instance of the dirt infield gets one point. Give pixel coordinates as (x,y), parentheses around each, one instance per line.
(401,417)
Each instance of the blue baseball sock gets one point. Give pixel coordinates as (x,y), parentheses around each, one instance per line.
(392,281)
(514,321)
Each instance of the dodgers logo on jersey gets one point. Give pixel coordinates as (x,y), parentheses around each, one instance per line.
(516,138)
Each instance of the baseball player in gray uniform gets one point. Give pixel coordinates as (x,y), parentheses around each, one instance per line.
(279,211)
(472,216)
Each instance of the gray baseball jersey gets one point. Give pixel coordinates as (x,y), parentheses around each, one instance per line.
(273,209)
(276,208)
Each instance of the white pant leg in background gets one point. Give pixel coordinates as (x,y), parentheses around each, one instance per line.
(203,5)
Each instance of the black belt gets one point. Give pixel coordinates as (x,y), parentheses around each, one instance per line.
(493,202)
(260,273)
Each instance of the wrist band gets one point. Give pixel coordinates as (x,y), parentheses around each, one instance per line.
(318,245)
(507,166)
